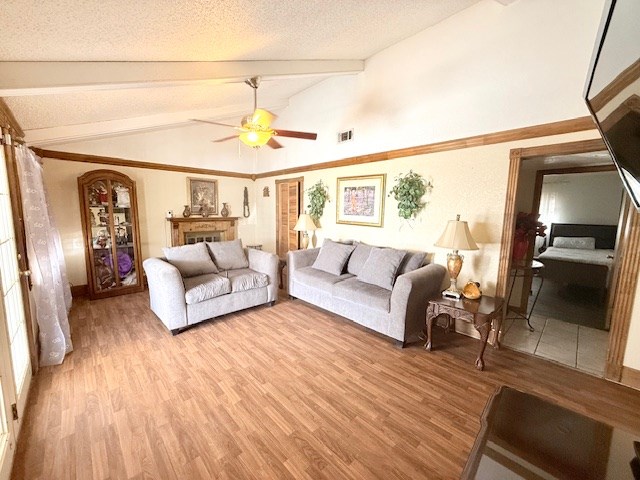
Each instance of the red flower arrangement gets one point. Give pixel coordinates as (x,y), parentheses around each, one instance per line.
(527,225)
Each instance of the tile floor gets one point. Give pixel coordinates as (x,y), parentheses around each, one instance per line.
(579,347)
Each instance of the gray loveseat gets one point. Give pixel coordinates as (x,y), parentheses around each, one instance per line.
(187,286)
(383,289)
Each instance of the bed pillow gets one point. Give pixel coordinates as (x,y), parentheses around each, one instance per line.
(333,256)
(229,255)
(381,268)
(584,243)
(190,260)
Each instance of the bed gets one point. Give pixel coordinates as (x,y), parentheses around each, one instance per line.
(580,255)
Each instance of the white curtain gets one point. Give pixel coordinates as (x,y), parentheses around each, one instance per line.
(51,290)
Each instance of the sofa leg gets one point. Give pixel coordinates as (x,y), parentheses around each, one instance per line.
(401,343)
(291,297)
(175,331)
(272,303)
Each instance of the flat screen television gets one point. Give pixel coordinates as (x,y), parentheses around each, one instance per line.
(612,91)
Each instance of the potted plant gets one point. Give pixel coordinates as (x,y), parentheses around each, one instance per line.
(408,192)
(527,228)
(318,197)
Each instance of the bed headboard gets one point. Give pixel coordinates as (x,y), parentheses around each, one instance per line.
(605,235)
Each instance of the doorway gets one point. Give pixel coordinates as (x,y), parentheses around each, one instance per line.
(578,202)
(626,267)
(289,198)
(15,363)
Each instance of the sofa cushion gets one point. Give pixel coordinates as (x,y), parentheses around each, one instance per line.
(203,287)
(333,257)
(190,260)
(411,261)
(363,294)
(246,279)
(312,277)
(358,258)
(381,268)
(228,255)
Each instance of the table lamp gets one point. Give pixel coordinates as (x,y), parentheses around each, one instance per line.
(305,224)
(456,237)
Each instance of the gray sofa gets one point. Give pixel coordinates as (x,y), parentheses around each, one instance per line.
(358,290)
(188,288)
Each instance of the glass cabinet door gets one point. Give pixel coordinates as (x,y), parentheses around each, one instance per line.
(111,233)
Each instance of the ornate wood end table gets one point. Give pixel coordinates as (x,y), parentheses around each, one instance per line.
(481,313)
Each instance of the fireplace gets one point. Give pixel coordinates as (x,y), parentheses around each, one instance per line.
(195,237)
(191,230)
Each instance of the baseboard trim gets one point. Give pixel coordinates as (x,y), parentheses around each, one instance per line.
(79,291)
(630,377)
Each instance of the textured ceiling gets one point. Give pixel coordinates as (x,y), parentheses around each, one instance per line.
(190,30)
(43,111)
(175,30)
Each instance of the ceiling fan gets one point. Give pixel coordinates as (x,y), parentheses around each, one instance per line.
(255,128)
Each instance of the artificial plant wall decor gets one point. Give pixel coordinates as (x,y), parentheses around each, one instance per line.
(408,192)
(318,197)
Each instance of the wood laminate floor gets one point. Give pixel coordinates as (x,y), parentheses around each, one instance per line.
(288,392)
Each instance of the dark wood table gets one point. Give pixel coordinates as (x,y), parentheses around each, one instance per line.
(481,313)
(525,436)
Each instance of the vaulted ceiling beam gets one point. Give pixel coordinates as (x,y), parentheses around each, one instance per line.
(42,78)
(125,126)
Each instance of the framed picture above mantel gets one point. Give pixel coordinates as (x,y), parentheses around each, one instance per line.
(203,192)
(360,200)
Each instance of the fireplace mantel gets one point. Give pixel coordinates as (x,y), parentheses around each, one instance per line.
(227,227)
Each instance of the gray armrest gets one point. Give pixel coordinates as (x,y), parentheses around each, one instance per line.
(166,292)
(409,299)
(301,258)
(267,263)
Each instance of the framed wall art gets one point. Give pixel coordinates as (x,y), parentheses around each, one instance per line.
(203,192)
(360,200)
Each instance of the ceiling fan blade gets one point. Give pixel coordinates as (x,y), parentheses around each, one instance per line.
(212,122)
(262,117)
(224,139)
(273,143)
(294,134)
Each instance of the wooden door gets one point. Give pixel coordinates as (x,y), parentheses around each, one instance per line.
(288,208)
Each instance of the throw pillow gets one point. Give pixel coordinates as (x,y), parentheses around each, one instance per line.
(228,255)
(382,267)
(411,261)
(191,260)
(587,243)
(358,257)
(333,257)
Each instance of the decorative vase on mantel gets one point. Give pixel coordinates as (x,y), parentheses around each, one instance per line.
(186,213)
(225,210)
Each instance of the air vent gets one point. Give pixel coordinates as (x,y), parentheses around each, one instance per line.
(345,136)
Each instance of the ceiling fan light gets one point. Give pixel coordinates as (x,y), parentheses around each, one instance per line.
(255,138)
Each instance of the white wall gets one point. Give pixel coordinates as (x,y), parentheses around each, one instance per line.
(590,198)
(489,68)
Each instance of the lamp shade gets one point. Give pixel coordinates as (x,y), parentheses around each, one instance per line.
(305,223)
(255,138)
(457,236)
